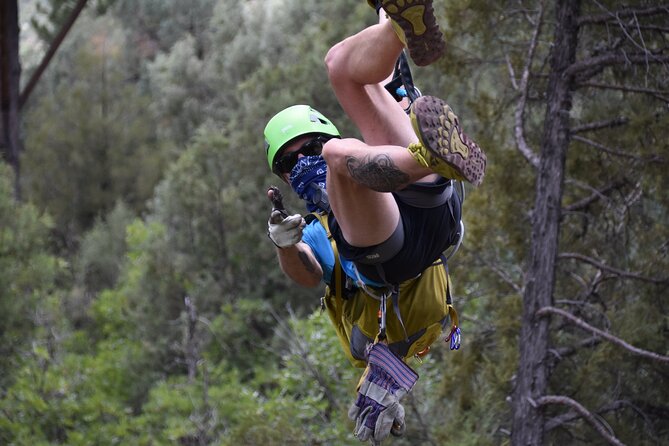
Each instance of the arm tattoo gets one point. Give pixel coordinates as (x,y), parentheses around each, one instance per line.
(306,262)
(377,172)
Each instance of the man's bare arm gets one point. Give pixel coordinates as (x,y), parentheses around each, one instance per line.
(298,263)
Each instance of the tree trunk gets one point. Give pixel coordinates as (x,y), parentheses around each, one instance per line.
(532,376)
(10,75)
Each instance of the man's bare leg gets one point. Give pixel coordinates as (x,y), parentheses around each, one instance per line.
(360,175)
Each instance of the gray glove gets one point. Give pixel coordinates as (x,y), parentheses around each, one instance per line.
(285,230)
(282,229)
(377,411)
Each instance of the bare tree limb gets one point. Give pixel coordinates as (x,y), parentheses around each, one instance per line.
(586,305)
(512,73)
(661,29)
(585,413)
(607,336)
(564,352)
(601,19)
(632,89)
(610,59)
(615,122)
(596,195)
(424,427)
(574,415)
(501,272)
(612,270)
(51,51)
(519,131)
(300,348)
(191,344)
(655,158)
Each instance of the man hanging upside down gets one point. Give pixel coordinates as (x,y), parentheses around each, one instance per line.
(384,207)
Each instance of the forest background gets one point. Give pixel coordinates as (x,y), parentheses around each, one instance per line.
(141,302)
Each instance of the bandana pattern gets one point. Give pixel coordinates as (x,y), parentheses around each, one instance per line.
(308,181)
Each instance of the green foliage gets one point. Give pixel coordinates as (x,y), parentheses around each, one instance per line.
(28,275)
(102,250)
(143,141)
(92,140)
(50,16)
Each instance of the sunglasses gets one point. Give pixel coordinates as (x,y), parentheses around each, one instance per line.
(313,147)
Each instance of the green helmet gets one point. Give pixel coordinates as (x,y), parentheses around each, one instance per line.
(291,123)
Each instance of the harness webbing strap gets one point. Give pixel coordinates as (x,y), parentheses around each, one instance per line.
(402,79)
(337,284)
(337,278)
(454,335)
(394,297)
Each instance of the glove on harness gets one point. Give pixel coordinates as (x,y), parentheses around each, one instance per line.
(377,411)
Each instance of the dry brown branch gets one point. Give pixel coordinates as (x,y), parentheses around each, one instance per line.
(616,122)
(502,273)
(519,131)
(631,89)
(573,415)
(661,29)
(425,438)
(596,195)
(655,158)
(603,18)
(565,352)
(612,270)
(583,306)
(30,85)
(300,349)
(191,344)
(607,336)
(512,73)
(585,413)
(610,59)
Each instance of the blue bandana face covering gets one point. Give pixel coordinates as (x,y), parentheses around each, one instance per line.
(308,181)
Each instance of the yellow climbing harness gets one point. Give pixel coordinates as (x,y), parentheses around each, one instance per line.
(424,309)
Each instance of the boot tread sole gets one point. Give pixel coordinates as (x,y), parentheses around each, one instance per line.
(442,136)
(416,19)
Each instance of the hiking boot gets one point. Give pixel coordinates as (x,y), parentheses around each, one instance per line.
(415,24)
(444,147)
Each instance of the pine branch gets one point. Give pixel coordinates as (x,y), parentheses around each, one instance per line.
(519,130)
(607,336)
(585,413)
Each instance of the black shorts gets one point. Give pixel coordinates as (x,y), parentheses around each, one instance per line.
(430,222)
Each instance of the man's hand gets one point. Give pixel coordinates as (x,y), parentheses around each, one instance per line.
(377,411)
(284,230)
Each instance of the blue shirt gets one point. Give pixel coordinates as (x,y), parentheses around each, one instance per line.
(315,236)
